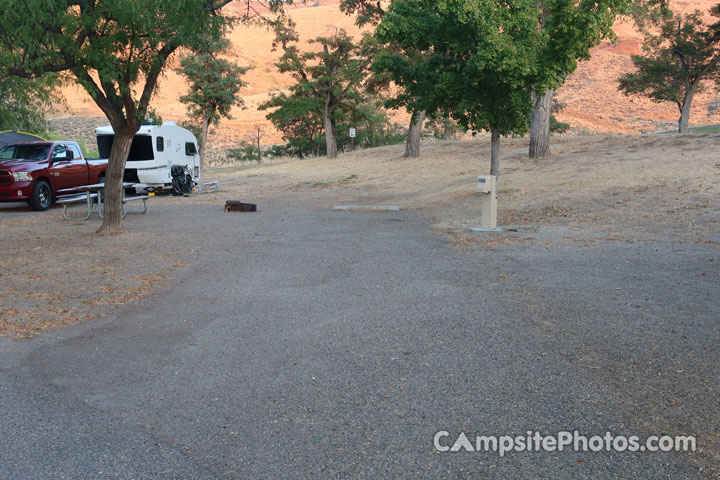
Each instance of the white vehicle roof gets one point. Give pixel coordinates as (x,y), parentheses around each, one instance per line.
(144,129)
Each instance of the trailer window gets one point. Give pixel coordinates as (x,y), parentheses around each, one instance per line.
(141,148)
(160,144)
(190,148)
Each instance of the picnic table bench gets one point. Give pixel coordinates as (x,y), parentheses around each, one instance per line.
(93,197)
(89,198)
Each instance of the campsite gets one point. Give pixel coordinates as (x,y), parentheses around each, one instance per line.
(316,294)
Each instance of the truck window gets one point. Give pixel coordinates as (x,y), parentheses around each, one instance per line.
(76,151)
(26,152)
(190,148)
(160,144)
(7,152)
(59,151)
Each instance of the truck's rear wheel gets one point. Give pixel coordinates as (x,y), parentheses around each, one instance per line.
(42,196)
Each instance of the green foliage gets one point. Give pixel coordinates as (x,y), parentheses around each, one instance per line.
(88,153)
(443,127)
(329,82)
(677,62)
(536,42)
(299,117)
(215,82)
(366,11)
(245,152)
(647,14)
(300,120)
(277,151)
(152,117)
(472,59)
(706,129)
(569,29)
(108,46)
(678,59)
(556,126)
(23,104)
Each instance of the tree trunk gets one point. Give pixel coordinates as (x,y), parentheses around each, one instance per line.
(494,151)
(540,124)
(203,140)
(412,145)
(447,126)
(330,139)
(259,151)
(685,110)
(112,196)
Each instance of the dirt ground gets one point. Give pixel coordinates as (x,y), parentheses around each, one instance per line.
(648,188)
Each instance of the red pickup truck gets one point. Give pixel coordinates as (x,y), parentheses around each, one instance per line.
(34,172)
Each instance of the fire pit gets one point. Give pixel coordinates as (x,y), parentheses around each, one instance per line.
(237,206)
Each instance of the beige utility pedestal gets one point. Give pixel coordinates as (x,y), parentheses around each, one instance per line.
(487,186)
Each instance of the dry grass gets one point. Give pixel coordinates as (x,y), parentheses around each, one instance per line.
(596,188)
(647,183)
(55,272)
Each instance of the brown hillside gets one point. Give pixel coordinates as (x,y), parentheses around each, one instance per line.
(592,100)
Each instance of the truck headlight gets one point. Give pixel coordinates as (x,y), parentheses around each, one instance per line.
(22,176)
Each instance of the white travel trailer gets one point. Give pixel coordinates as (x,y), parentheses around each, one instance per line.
(155,149)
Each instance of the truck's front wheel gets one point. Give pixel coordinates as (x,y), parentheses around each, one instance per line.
(42,196)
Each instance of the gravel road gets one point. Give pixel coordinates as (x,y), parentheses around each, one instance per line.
(306,343)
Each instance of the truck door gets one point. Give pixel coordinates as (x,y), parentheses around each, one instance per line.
(65,170)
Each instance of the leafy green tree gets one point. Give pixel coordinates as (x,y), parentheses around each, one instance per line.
(23,104)
(215,85)
(677,62)
(330,76)
(443,127)
(569,29)
(115,49)
(370,121)
(371,12)
(299,117)
(367,12)
(474,59)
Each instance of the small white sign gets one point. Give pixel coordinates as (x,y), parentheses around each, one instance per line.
(352,133)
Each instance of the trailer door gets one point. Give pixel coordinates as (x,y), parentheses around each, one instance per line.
(193,158)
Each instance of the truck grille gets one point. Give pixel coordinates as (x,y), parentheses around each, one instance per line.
(5,177)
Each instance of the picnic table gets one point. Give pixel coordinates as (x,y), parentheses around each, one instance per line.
(93,198)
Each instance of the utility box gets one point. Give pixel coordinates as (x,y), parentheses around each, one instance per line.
(487,186)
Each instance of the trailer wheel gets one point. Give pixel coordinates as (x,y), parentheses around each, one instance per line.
(42,196)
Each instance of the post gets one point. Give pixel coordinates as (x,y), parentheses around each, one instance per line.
(258,138)
(487,186)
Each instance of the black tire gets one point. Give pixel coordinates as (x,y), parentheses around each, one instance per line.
(42,196)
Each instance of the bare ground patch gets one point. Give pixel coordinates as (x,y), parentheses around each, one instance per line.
(56,272)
